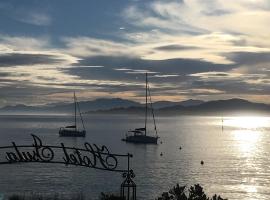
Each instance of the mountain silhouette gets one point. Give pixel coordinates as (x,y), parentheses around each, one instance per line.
(123,106)
(219,106)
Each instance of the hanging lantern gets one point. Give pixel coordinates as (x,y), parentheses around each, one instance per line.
(128,187)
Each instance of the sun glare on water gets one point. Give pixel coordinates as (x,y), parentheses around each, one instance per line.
(247,122)
(247,132)
(247,139)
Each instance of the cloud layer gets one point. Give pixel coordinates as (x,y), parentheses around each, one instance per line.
(191,49)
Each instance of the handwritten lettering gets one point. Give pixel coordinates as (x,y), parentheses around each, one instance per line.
(40,153)
(91,156)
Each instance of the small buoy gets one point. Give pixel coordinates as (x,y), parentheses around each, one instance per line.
(160,142)
(161,154)
(202,162)
(180,147)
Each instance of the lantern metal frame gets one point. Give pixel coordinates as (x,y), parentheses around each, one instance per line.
(128,186)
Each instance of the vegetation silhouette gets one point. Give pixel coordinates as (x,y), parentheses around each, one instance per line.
(194,193)
(110,197)
(76,196)
(176,193)
(37,196)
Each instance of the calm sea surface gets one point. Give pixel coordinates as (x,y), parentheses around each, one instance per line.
(236,159)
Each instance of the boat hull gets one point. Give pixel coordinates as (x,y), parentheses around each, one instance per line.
(143,139)
(71,133)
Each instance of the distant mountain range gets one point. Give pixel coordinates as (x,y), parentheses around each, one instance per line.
(122,106)
(221,107)
(85,106)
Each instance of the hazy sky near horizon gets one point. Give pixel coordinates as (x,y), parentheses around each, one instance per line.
(210,49)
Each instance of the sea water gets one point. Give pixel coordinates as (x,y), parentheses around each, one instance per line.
(235,151)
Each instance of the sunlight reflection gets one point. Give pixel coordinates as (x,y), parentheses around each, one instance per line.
(247,132)
(249,188)
(247,140)
(246,122)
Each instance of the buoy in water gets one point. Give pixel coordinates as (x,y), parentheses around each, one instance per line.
(180,147)
(202,162)
(161,154)
(160,142)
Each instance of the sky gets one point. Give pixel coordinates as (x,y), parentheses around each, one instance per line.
(207,50)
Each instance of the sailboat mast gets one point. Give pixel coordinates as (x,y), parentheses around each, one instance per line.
(152,109)
(75,112)
(146,85)
(79,110)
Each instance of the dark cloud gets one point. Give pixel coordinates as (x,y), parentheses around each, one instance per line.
(171,85)
(221,74)
(46,78)
(249,58)
(179,66)
(233,87)
(4,74)
(13,59)
(176,48)
(21,93)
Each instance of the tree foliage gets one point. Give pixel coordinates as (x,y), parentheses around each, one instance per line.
(193,193)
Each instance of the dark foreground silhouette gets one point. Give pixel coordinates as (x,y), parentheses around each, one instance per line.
(176,193)
(182,193)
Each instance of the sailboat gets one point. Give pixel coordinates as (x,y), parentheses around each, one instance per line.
(73,131)
(139,135)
